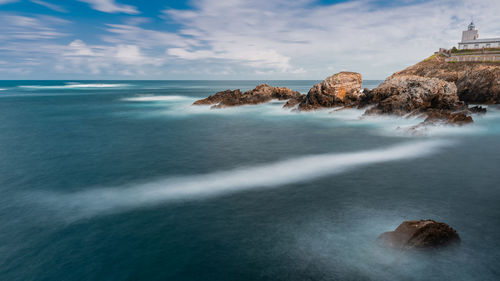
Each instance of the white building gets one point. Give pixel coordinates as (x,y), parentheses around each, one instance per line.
(470,40)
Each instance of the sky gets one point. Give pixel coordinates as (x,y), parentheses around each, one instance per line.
(229,39)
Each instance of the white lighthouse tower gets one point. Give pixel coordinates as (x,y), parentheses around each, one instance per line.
(471,33)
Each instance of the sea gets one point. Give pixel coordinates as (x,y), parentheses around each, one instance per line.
(126,180)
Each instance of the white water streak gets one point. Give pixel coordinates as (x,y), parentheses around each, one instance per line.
(105,200)
(157,98)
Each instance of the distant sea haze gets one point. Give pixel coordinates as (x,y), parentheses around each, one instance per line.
(126,180)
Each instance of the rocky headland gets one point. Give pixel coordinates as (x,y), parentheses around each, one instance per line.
(434,89)
(477,82)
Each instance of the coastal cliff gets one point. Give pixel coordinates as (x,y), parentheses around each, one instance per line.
(477,82)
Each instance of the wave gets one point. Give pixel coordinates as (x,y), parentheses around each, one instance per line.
(109,200)
(76,86)
(157,98)
(2,89)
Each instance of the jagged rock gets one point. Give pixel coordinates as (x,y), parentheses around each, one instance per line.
(421,234)
(340,89)
(477,82)
(480,85)
(227,95)
(477,109)
(406,94)
(294,101)
(261,94)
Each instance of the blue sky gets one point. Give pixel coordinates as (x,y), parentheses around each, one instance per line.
(228,39)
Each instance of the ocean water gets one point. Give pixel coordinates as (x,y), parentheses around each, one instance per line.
(125,180)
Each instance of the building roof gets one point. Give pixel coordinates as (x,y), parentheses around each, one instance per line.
(477,41)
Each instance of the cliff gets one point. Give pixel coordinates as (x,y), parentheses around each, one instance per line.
(477,82)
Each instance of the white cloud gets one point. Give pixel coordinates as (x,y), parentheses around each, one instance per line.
(303,39)
(110,6)
(237,39)
(124,59)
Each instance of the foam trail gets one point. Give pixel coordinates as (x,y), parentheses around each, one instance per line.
(76,86)
(157,98)
(105,200)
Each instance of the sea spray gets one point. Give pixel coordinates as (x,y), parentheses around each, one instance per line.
(148,98)
(115,199)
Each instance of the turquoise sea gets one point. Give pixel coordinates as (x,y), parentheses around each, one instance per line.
(125,180)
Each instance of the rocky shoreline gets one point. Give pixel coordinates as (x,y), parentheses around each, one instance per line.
(434,89)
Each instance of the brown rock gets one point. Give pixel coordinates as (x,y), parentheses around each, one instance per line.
(340,89)
(480,85)
(261,94)
(227,95)
(422,234)
(455,118)
(405,94)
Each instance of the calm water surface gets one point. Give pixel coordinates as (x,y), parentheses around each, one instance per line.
(124,180)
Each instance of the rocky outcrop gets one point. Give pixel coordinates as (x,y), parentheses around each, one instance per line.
(404,94)
(477,82)
(341,89)
(421,234)
(261,94)
(401,94)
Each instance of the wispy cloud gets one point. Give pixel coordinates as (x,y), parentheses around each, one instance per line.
(29,28)
(110,6)
(51,6)
(7,1)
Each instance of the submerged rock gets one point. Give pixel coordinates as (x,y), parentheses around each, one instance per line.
(261,94)
(456,118)
(341,89)
(421,234)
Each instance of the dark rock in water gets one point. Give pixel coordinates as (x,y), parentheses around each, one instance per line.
(456,118)
(261,94)
(422,234)
(341,89)
(477,109)
(459,118)
(366,99)
(405,94)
